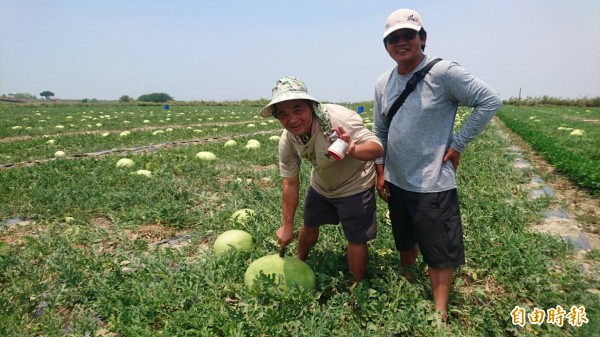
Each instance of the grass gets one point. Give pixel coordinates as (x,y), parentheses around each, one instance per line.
(110,271)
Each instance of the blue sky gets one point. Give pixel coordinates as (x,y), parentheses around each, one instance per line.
(232,50)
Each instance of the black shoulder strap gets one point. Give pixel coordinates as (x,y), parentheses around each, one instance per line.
(410,86)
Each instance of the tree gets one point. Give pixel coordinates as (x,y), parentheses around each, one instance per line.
(24,95)
(125,99)
(47,94)
(155,97)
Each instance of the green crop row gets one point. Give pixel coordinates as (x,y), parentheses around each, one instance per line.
(569,138)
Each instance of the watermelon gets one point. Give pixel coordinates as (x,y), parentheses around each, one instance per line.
(230,143)
(234,238)
(243,215)
(252,144)
(287,271)
(143,173)
(125,162)
(205,155)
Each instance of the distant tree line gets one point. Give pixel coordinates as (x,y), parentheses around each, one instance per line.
(547,100)
(244,102)
(157,97)
(161,97)
(21,95)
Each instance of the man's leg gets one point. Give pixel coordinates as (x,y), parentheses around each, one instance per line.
(307,237)
(357,259)
(408,259)
(401,204)
(441,282)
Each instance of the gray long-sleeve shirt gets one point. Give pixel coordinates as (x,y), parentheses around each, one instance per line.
(423,128)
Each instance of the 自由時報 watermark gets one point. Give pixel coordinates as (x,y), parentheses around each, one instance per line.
(575,317)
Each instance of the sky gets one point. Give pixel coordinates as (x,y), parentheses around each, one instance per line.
(233,50)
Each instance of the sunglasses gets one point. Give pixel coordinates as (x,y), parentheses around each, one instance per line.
(406,35)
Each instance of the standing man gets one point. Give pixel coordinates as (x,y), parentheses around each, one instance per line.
(340,190)
(417,174)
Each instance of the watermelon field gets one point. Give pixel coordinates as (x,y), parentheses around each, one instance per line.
(567,137)
(91,249)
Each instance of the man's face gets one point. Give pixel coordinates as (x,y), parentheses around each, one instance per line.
(404,46)
(295,116)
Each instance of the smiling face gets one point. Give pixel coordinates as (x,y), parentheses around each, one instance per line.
(404,46)
(295,116)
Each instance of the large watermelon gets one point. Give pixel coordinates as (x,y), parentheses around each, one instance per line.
(287,270)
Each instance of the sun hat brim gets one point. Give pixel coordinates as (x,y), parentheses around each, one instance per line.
(267,111)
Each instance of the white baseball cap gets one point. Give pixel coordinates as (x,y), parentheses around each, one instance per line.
(402,18)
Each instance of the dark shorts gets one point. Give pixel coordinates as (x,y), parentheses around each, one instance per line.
(430,219)
(355,212)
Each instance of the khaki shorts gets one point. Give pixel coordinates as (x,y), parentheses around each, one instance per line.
(355,212)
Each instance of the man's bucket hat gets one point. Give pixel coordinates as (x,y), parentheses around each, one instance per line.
(285,89)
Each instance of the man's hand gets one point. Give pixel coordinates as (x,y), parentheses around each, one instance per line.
(365,151)
(453,156)
(345,137)
(382,187)
(285,235)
